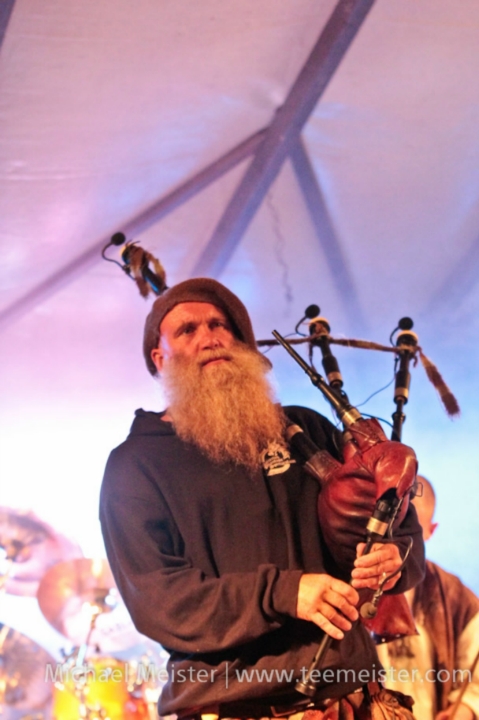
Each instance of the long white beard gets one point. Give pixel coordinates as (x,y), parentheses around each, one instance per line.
(227,409)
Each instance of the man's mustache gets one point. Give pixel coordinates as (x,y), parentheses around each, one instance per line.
(208,356)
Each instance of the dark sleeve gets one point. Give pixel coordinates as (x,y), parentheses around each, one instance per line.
(169,600)
(318,428)
(414,570)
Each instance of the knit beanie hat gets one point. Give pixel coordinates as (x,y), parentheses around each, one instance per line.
(197,290)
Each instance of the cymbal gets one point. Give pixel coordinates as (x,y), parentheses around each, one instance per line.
(74,592)
(23,669)
(30,547)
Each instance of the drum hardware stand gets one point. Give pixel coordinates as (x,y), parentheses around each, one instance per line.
(103,602)
(144,688)
(151,704)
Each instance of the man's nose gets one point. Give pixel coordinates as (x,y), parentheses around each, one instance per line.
(208,338)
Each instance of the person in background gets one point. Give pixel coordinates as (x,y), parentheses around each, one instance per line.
(446,613)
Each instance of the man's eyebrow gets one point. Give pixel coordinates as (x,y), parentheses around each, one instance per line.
(184,325)
(220,318)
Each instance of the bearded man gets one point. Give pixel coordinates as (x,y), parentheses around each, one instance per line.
(211,529)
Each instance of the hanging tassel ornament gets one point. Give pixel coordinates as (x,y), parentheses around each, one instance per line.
(435,377)
(138,263)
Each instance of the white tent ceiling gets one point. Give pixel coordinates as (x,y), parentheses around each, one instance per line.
(107,107)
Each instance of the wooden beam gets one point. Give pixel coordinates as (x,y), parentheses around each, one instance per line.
(284,130)
(326,233)
(137,225)
(6,7)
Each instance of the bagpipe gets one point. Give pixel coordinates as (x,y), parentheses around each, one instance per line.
(365,497)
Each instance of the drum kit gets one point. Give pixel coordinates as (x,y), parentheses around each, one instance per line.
(79,599)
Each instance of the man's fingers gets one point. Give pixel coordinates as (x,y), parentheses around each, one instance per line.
(344,590)
(328,602)
(370,569)
(321,621)
(376,570)
(360,549)
(373,583)
(344,605)
(379,553)
(335,617)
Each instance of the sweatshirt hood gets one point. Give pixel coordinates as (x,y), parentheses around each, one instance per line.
(147,423)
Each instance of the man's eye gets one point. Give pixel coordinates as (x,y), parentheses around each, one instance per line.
(187,329)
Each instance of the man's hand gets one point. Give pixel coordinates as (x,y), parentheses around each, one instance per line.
(327,602)
(463,712)
(369,569)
